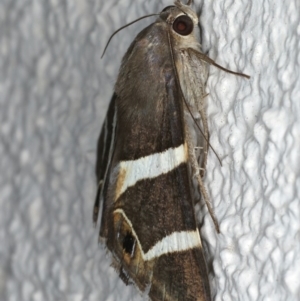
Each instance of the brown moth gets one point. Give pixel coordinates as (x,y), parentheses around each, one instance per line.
(151,158)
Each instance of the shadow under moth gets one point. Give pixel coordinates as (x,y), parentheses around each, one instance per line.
(151,159)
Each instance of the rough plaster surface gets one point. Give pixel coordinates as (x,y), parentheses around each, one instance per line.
(54,91)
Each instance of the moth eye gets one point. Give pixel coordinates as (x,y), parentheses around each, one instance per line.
(128,243)
(183,25)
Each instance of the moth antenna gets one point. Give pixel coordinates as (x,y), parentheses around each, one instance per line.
(177,79)
(208,60)
(123,28)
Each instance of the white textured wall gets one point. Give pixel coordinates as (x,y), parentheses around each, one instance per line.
(54,91)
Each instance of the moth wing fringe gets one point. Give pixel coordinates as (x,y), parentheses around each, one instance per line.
(124,276)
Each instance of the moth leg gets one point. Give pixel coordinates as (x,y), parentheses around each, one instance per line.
(206,132)
(197,174)
(201,169)
(205,143)
(207,202)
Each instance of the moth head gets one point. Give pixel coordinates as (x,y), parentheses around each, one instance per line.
(183,24)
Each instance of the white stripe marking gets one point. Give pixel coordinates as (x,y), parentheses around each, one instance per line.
(175,242)
(149,167)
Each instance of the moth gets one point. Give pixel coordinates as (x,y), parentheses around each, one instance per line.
(151,158)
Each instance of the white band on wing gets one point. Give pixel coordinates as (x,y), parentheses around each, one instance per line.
(130,172)
(175,242)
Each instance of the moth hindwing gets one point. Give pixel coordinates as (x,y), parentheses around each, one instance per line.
(151,157)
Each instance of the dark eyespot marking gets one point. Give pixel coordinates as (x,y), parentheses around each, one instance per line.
(128,243)
(183,25)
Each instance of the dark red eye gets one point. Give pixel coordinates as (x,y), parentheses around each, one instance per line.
(183,25)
